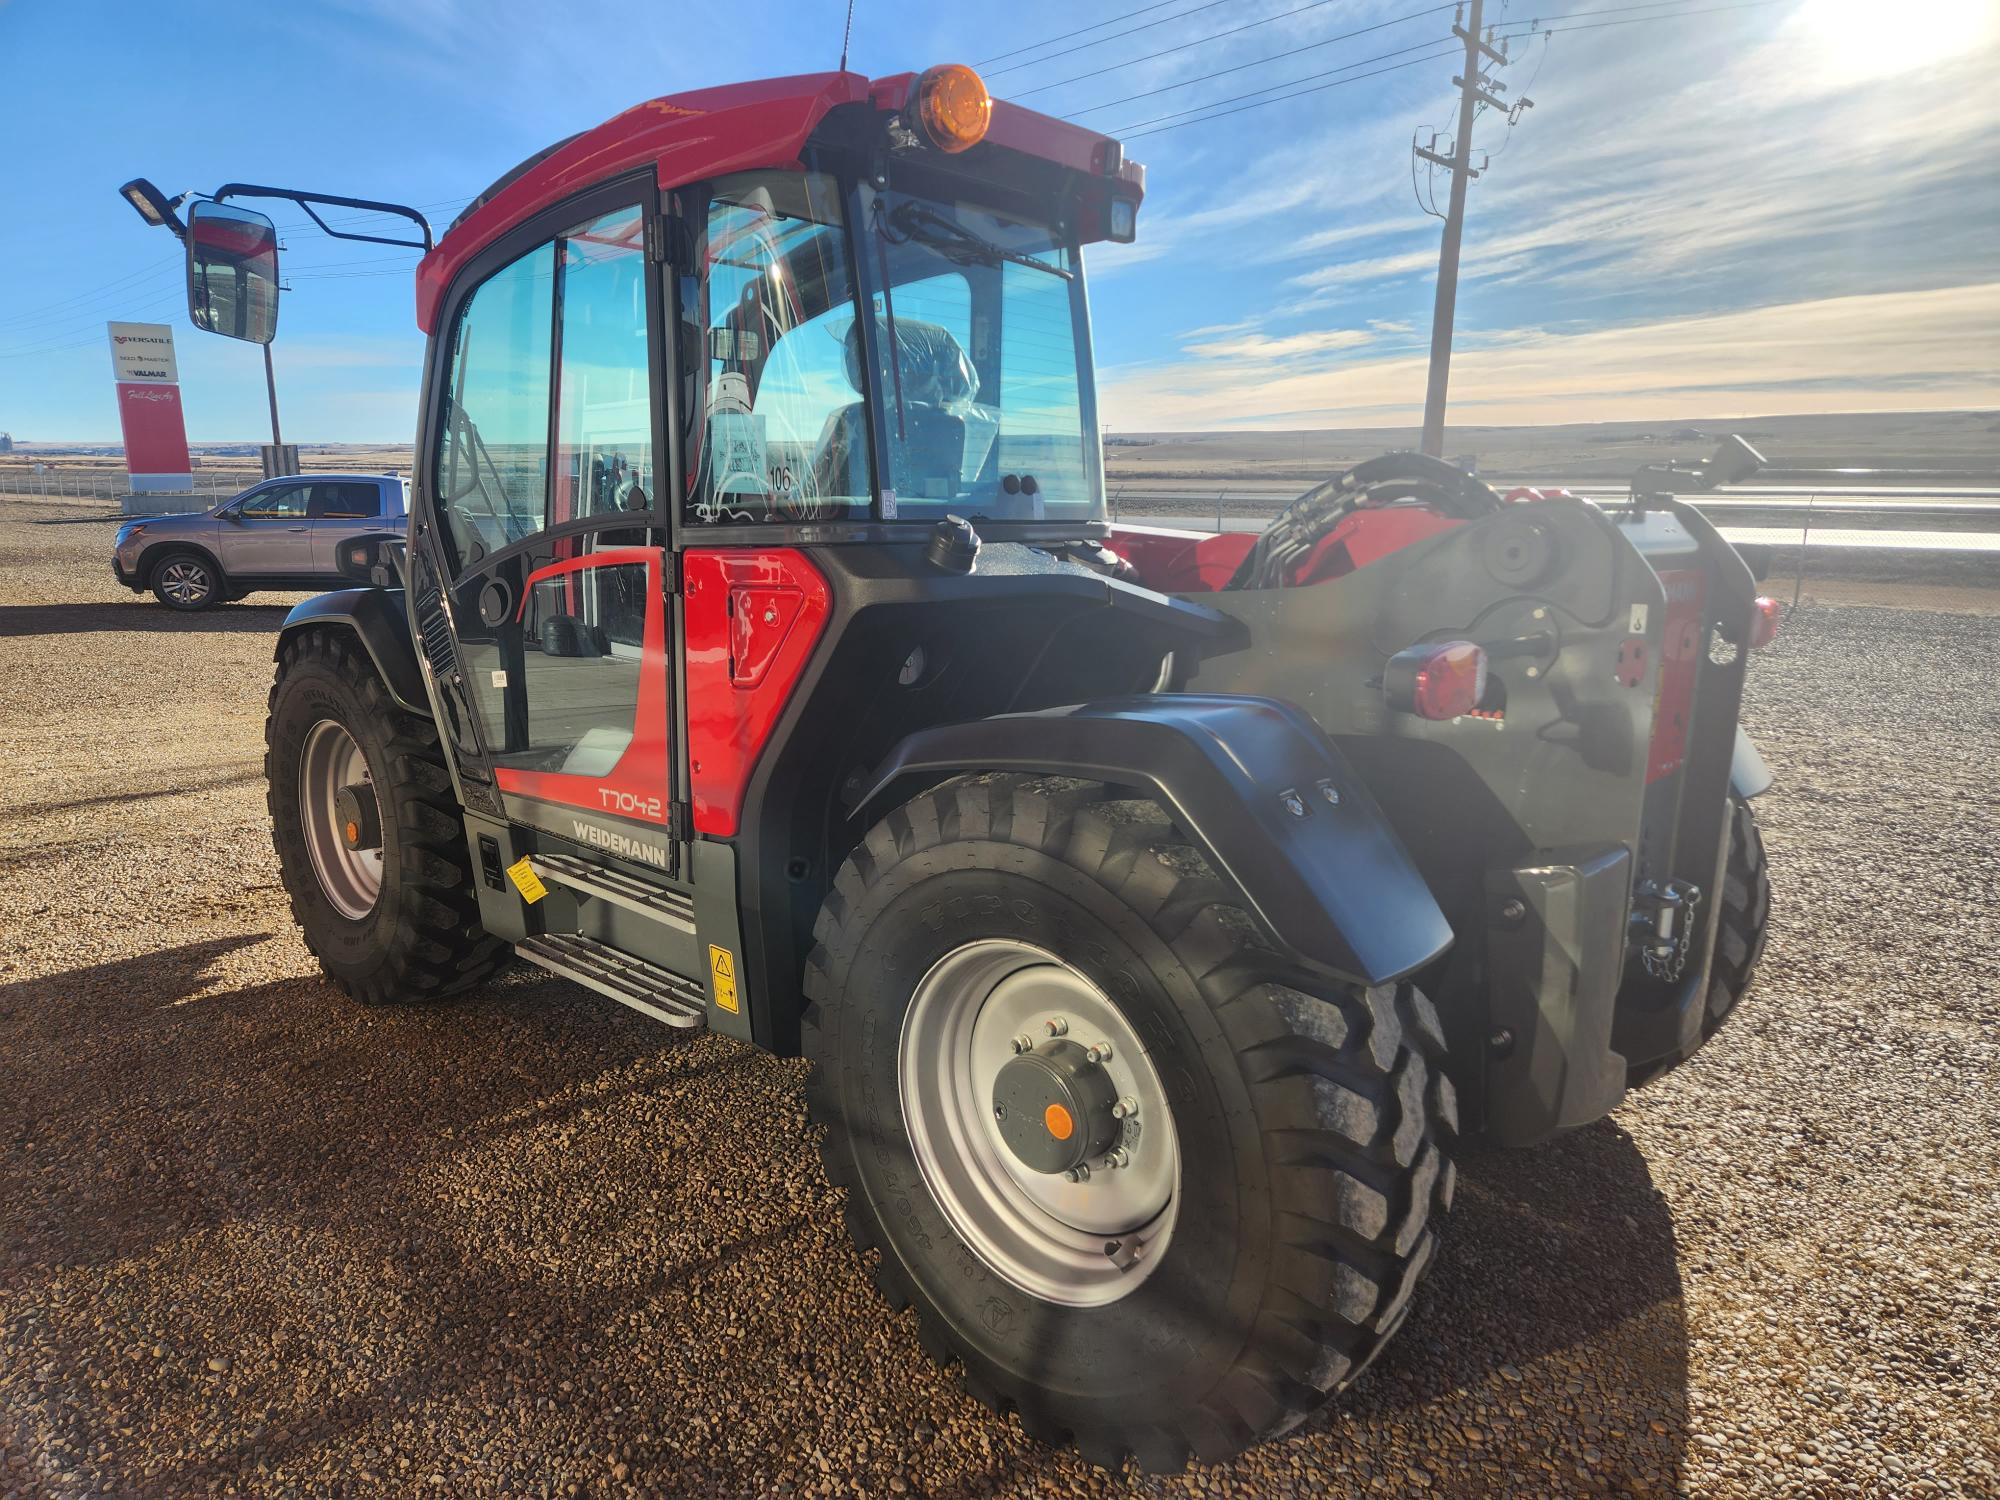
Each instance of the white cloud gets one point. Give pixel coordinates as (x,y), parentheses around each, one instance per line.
(1888,350)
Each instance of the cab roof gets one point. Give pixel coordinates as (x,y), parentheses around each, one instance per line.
(713,131)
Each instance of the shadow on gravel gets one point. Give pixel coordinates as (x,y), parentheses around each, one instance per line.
(137,615)
(1558,1275)
(524,1213)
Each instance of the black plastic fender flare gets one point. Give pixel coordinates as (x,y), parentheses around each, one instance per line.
(379,618)
(1255,783)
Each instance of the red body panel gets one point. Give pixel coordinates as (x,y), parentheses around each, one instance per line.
(1182,562)
(1196,562)
(1680,663)
(753,618)
(637,786)
(733,128)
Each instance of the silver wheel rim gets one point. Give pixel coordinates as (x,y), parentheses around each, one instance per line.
(185,582)
(1081,1244)
(350,879)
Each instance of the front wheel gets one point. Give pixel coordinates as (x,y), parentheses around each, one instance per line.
(187,581)
(1142,1187)
(370,843)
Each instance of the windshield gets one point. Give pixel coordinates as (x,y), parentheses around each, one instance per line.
(979,339)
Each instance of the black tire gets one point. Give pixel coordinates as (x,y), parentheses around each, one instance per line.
(187,581)
(1312,1128)
(422,940)
(1744,919)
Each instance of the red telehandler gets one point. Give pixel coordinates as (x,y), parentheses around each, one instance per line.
(1157,910)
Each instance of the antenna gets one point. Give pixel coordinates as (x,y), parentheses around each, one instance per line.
(845,33)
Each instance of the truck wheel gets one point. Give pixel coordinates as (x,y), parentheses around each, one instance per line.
(1145,1190)
(370,843)
(186,581)
(1744,918)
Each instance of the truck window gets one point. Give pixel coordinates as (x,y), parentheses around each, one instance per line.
(280,502)
(335,499)
(493,460)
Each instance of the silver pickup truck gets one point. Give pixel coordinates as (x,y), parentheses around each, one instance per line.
(280,534)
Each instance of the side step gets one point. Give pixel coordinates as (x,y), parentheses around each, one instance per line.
(631,981)
(661,903)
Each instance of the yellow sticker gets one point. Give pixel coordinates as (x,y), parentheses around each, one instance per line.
(722,969)
(526,881)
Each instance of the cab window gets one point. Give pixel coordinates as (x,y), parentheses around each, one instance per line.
(493,462)
(780,431)
(604,423)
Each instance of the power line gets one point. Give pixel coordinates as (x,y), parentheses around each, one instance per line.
(1260,62)
(1132,135)
(1200,41)
(1289,83)
(1086,46)
(42,314)
(1051,41)
(1707,10)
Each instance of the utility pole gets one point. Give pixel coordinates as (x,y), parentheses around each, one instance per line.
(1470,96)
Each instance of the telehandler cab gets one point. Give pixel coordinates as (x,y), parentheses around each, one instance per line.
(1156,909)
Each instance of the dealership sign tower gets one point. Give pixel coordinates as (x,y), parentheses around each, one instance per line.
(149,407)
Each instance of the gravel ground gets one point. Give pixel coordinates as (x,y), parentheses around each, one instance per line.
(254,1239)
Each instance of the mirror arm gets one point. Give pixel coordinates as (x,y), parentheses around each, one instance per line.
(306,201)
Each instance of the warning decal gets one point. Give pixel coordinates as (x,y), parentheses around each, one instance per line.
(722,969)
(526,881)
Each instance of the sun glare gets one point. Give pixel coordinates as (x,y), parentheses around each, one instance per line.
(1856,40)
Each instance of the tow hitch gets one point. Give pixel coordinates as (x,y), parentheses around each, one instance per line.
(1663,926)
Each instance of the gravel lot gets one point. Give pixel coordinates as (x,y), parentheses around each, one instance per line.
(254,1239)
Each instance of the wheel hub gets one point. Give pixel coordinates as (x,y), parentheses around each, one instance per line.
(341,819)
(1054,1105)
(1078,1219)
(359,819)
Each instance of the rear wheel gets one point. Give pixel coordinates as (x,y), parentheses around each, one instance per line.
(369,838)
(1744,918)
(187,581)
(1145,1189)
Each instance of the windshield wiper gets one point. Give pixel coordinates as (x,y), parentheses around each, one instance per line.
(934,229)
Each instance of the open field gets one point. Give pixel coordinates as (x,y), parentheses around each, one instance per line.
(255,1239)
(1948,441)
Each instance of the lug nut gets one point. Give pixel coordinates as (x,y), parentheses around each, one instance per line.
(1023,1043)
(1077,1174)
(1099,1052)
(1125,1108)
(1117,1157)
(1056,1026)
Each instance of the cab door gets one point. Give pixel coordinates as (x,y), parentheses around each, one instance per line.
(546,496)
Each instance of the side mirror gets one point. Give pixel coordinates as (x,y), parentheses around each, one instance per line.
(375,561)
(1732,463)
(232,272)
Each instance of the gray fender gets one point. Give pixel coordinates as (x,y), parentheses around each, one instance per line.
(1748,775)
(1255,784)
(379,619)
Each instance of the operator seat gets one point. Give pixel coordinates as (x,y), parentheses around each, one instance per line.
(927,445)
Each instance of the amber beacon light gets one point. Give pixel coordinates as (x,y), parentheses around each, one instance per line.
(953,107)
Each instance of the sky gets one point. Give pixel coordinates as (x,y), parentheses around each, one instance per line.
(1713,208)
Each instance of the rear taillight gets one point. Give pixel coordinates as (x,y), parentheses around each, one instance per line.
(1436,680)
(1764,617)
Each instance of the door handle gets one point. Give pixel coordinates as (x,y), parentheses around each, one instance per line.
(295,528)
